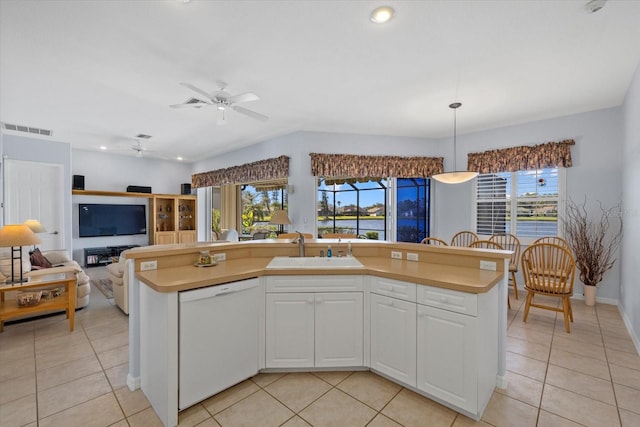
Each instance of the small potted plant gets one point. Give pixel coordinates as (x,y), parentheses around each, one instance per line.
(593,246)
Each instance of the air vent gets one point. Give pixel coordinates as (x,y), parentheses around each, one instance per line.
(27,129)
(143,136)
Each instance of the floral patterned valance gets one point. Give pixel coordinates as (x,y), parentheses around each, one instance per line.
(261,170)
(356,166)
(528,157)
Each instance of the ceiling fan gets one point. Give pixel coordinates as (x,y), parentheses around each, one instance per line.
(139,148)
(222,100)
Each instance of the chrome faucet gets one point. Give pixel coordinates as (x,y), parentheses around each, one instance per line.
(300,241)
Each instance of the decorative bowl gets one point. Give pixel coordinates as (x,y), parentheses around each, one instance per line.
(28,299)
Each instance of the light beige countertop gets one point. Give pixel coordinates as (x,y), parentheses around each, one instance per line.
(182,278)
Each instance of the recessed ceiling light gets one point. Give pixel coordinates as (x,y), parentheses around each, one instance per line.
(102,147)
(382,14)
(179,158)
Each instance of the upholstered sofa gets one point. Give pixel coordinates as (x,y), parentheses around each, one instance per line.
(118,275)
(60,262)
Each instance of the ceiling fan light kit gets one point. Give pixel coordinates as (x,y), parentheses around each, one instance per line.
(454,177)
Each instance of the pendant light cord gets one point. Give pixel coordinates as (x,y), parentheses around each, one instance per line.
(455,107)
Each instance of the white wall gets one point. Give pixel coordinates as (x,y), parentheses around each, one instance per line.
(111,172)
(597,162)
(630,284)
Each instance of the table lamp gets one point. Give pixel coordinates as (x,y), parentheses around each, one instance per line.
(16,236)
(280,218)
(35,226)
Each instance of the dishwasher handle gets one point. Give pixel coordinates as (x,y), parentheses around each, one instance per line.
(218,290)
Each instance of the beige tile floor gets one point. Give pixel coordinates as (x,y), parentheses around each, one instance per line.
(591,377)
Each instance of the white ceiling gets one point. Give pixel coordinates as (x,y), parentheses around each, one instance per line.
(100,72)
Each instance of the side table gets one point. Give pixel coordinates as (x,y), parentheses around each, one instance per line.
(66,301)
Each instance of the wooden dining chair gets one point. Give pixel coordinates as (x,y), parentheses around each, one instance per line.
(488,244)
(463,238)
(434,241)
(339,236)
(485,244)
(294,235)
(549,269)
(555,240)
(509,242)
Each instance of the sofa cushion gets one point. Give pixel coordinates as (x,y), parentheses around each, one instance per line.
(39,260)
(57,257)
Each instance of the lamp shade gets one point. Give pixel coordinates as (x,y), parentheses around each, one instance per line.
(457,177)
(17,235)
(280,217)
(35,226)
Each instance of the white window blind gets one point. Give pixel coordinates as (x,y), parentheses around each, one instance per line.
(532,195)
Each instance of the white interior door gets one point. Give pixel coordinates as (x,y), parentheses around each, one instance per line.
(34,190)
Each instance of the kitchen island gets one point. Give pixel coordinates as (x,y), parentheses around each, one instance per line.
(450,297)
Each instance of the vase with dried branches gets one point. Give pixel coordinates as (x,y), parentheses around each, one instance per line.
(594,247)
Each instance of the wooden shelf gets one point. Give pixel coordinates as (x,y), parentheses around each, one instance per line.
(127,194)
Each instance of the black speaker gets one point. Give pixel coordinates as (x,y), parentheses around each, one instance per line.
(78,182)
(138,189)
(185,189)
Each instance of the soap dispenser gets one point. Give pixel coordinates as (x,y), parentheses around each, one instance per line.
(329,252)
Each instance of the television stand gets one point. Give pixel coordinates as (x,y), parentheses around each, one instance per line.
(94,257)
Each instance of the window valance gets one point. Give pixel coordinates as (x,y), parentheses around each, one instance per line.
(357,166)
(262,170)
(528,157)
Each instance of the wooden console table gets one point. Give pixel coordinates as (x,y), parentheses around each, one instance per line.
(66,301)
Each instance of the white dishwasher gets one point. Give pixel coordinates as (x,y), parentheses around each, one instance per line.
(218,339)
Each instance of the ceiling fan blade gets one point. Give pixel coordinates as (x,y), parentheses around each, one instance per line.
(192,105)
(243,97)
(196,90)
(250,113)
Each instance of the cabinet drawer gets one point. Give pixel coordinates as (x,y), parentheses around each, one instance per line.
(332,283)
(459,302)
(394,288)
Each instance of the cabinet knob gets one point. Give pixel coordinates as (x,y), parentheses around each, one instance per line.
(421,314)
(310,301)
(319,301)
(391,303)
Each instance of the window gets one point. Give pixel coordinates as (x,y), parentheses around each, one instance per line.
(360,208)
(412,209)
(536,202)
(258,202)
(353,207)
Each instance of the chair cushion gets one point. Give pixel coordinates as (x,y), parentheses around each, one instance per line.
(39,260)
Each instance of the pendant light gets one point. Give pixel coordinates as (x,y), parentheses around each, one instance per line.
(455,177)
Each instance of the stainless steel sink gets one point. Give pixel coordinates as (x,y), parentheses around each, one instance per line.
(281,262)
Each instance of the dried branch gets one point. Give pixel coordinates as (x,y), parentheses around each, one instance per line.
(593,249)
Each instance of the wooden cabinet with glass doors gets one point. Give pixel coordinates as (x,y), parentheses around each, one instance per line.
(173,219)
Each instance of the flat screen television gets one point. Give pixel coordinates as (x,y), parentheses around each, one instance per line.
(111,220)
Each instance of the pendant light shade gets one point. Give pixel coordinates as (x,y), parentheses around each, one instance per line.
(455,177)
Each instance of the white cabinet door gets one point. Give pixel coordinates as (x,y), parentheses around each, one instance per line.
(289,330)
(393,338)
(447,356)
(339,329)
